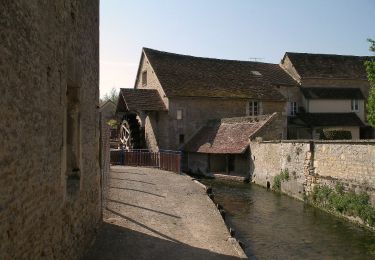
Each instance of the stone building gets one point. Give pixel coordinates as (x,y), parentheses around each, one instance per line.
(333,90)
(49,128)
(176,95)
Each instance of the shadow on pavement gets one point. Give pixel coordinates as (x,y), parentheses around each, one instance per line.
(116,242)
(125,179)
(140,207)
(161,196)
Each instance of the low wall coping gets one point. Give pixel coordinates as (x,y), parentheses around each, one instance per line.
(359,142)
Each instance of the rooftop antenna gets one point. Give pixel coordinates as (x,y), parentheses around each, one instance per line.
(255,59)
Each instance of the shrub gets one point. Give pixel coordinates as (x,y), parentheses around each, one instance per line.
(335,135)
(283,176)
(348,203)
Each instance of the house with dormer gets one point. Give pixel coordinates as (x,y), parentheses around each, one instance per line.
(333,90)
(176,97)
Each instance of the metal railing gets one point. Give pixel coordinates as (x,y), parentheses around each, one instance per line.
(163,159)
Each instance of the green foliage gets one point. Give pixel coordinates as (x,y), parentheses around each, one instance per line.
(112,95)
(283,176)
(370,69)
(348,203)
(113,123)
(335,135)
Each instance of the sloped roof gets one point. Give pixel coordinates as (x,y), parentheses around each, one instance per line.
(330,119)
(226,136)
(182,75)
(332,93)
(310,65)
(107,103)
(142,99)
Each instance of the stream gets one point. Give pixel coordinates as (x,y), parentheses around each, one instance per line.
(275,226)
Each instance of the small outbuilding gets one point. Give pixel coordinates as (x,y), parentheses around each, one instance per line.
(222,146)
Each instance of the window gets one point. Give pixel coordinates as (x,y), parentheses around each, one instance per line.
(181,138)
(254,108)
(355,105)
(144,78)
(179,114)
(293,108)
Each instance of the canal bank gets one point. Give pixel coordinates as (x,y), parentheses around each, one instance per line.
(275,226)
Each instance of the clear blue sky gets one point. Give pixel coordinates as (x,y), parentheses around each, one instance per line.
(231,29)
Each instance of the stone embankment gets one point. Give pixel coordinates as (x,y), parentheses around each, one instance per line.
(303,167)
(154,214)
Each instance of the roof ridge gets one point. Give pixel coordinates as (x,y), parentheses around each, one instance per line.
(327,54)
(206,58)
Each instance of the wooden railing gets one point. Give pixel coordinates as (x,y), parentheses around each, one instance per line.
(163,159)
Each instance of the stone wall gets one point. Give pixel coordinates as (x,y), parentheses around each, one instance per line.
(49,72)
(105,159)
(353,164)
(312,163)
(152,80)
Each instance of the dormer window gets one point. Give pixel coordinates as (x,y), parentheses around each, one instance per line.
(144,78)
(355,105)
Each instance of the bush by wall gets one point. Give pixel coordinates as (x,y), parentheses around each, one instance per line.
(335,135)
(347,203)
(283,176)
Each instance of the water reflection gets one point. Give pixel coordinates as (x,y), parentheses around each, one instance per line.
(275,226)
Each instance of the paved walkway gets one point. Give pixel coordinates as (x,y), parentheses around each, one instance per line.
(154,214)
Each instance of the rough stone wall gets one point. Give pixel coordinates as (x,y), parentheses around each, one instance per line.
(273,130)
(265,161)
(152,79)
(105,159)
(46,46)
(287,65)
(151,132)
(311,163)
(352,164)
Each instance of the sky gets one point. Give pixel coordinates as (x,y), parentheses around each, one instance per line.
(230,29)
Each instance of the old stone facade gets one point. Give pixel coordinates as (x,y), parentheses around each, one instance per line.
(195,90)
(311,163)
(49,128)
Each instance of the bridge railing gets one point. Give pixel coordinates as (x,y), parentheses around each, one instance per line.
(163,159)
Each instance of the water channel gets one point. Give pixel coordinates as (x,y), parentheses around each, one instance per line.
(275,226)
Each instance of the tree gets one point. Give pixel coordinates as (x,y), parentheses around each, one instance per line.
(370,68)
(112,95)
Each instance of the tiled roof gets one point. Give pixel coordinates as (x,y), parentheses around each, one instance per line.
(182,75)
(142,99)
(226,136)
(328,65)
(330,119)
(332,93)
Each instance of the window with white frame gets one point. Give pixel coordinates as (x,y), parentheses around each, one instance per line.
(254,108)
(293,108)
(179,114)
(355,105)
